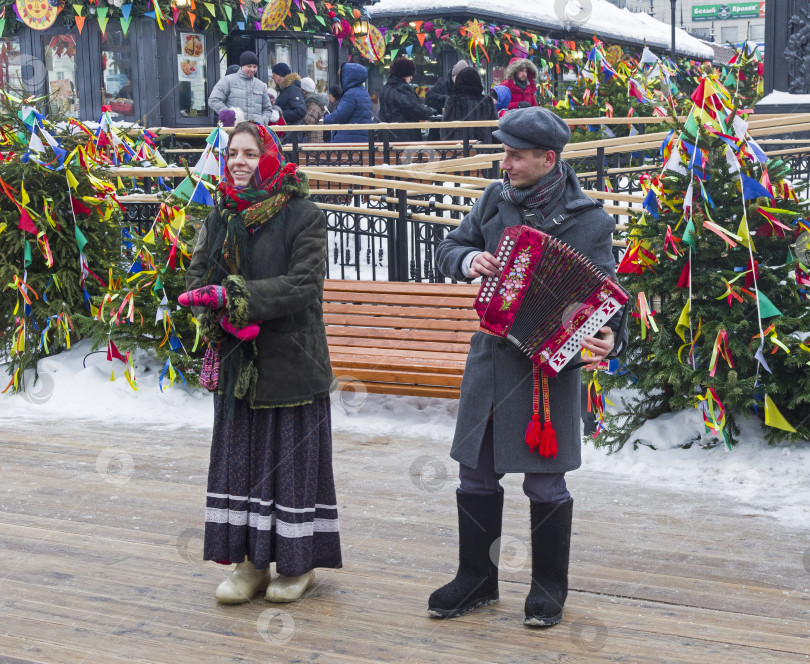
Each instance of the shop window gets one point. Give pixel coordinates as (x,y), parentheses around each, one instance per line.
(60,63)
(117,75)
(757,33)
(191,74)
(278,53)
(10,64)
(728,33)
(318,66)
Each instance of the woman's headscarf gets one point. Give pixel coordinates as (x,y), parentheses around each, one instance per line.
(243,209)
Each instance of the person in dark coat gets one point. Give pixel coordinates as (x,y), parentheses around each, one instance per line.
(437,95)
(256,286)
(521,75)
(399,102)
(354,106)
(468,102)
(290,97)
(499,386)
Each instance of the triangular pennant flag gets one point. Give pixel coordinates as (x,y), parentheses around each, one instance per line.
(126,10)
(773,418)
(79,23)
(149,238)
(102,12)
(102,23)
(25,223)
(113,352)
(202,196)
(766,307)
(211,8)
(684,322)
(745,237)
(78,9)
(124,24)
(228,11)
(192,17)
(689,235)
(223,26)
(80,239)
(752,189)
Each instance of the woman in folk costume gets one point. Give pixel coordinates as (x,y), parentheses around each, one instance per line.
(256,285)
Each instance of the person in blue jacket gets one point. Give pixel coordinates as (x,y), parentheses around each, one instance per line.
(354,106)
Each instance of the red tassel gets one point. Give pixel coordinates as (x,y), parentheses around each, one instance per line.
(548,442)
(534,433)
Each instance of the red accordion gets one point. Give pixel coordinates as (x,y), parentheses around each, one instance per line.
(547,297)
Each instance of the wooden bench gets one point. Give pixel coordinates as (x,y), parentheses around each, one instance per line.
(400,338)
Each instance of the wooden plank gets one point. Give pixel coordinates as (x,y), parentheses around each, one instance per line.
(375,334)
(416,311)
(415,298)
(399,323)
(410,390)
(430,361)
(387,344)
(449,290)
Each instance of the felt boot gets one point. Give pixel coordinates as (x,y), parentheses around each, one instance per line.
(289,588)
(243,583)
(551,545)
(476,582)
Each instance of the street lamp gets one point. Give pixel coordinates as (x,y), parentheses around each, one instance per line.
(672,6)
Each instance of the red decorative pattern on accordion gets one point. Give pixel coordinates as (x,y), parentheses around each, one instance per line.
(547,297)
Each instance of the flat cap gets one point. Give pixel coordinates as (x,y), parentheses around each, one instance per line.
(534,127)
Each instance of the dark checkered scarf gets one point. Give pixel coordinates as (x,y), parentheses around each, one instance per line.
(544,196)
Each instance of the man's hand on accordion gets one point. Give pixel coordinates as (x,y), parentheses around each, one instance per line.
(598,347)
(484,264)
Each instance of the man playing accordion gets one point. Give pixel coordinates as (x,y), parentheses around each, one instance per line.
(499,389)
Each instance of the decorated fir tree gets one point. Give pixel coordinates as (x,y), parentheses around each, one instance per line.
(721,309)
(59,230)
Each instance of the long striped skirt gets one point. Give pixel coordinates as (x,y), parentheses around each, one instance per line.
(271,491)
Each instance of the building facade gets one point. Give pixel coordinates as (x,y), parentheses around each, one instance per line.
(712,21)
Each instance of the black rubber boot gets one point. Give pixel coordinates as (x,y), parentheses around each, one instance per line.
(551,545)
(476,582)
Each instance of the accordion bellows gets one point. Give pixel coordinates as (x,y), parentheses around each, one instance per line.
(546,298)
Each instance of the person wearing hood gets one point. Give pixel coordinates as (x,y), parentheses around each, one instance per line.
(354,105)
(290,97)
(520,79)
(502,97)
(468,103)
(438,95)
(316,103)
(243,90)
(399,102)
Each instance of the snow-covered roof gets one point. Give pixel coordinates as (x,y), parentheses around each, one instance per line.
(605,20)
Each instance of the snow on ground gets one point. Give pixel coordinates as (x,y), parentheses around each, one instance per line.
(760,479)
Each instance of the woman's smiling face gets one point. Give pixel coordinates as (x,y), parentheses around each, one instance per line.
(243,158)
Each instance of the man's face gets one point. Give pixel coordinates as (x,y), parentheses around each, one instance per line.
(526,168)
(522,74)
(250,70)
(277,79)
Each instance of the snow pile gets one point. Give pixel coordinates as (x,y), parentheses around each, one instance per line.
(595,17)
(760,479)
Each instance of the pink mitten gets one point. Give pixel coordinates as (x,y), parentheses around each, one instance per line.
(212,297)
(247,333)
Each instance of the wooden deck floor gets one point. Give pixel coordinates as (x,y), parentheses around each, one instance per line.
(100,560)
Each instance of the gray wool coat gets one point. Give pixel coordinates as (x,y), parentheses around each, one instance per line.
(498,377)
(239,91)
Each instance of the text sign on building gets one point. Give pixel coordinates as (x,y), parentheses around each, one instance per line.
(721,12)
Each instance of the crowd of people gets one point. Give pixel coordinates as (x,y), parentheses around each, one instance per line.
(291,100)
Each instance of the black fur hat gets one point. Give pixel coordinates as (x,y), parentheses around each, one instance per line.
(402,67)
(468,82)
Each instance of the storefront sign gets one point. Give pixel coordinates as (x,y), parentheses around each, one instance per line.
(732,10)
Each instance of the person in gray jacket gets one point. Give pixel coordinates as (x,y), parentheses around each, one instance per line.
(243,90)
(498,389)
